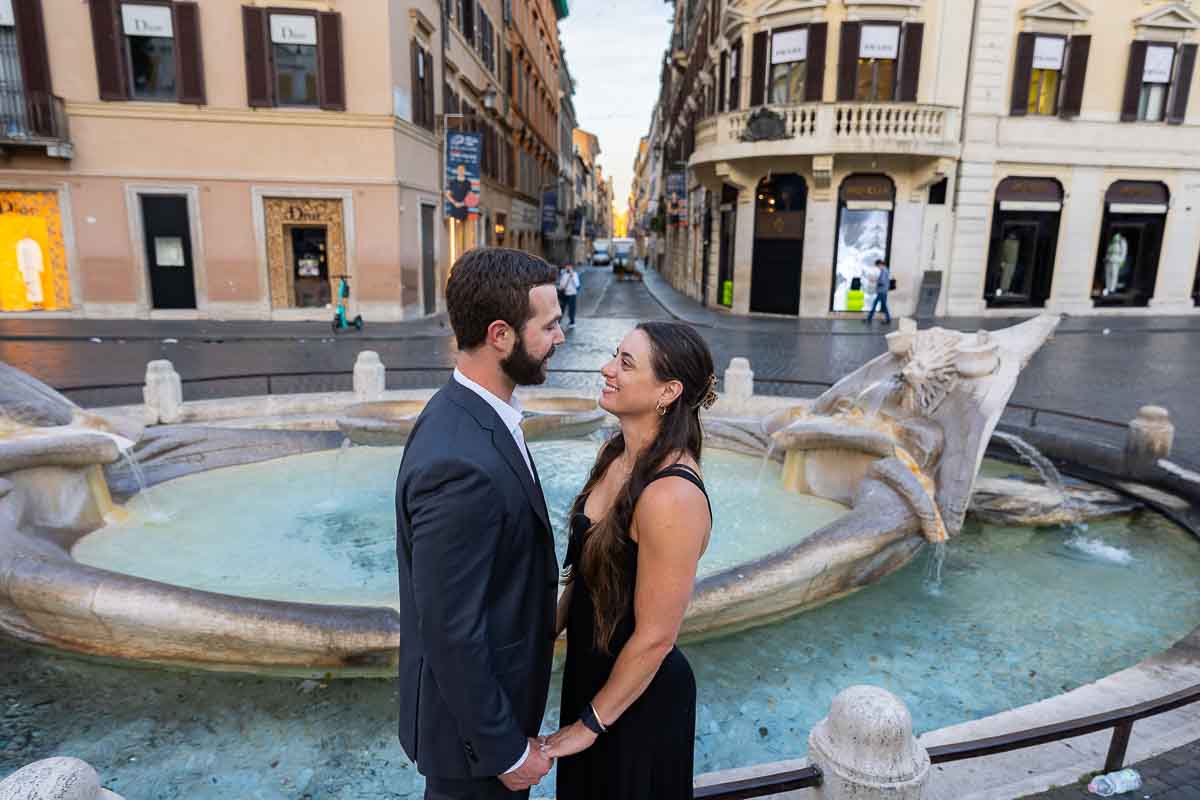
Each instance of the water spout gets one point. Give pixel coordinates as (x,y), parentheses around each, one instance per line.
(762,468)
(1046,470)
(153,513)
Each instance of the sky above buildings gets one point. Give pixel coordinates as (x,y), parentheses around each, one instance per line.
(614,49)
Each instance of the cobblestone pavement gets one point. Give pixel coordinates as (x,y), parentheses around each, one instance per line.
(1101,367)
(1174,775)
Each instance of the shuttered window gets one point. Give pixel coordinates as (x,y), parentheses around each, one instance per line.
(294,58)
(1049,74)
(148,50)
(422,86)
(27,99)
(735,77)
(1158,82)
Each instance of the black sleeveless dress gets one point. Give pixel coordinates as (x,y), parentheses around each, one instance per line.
(647,754)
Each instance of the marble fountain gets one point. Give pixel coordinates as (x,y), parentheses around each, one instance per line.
(897,444)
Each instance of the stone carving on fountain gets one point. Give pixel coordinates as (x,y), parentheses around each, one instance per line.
(937,395)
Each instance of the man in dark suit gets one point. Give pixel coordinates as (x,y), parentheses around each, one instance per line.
(478,573)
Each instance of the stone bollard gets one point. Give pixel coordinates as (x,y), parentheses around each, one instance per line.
(866,748)
(58,778)
(370,377)
(1148,439)
(739,379)
(163,393)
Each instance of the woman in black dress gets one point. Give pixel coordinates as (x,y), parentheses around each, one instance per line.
(638,530)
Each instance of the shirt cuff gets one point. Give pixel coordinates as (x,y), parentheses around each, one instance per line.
(520,761)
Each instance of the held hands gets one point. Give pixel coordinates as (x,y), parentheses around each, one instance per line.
(531,772)
(575,738)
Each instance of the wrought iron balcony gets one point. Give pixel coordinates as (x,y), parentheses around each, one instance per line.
(828,128)
(35,119)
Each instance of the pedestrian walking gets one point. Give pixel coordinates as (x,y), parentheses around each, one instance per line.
(883,284)
(568,289)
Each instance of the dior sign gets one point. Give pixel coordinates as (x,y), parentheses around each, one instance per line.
(764,125)
(293,29)
(147,21)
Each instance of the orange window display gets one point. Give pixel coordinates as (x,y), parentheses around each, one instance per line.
(33,260)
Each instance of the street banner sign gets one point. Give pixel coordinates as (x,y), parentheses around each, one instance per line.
(463,150)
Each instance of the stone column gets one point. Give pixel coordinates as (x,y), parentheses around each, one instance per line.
(866,749)
(743,250)
(1078,238)
(163,393)
(1177,262)
(1149,438)
(370,377)
(739,379)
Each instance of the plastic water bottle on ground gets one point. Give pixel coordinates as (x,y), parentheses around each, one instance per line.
(1114,783)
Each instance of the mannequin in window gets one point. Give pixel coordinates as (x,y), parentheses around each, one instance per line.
(1114,262)
(1010,251)
(32,265)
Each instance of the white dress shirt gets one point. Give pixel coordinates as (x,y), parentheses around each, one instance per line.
(511,415)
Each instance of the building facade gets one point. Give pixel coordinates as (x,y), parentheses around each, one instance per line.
(230,160)
(1032,154)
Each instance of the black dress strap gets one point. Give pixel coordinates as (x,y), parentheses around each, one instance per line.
(688,474)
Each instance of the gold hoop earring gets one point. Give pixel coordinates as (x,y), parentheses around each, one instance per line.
(660,408)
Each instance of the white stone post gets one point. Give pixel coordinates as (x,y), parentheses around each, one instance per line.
(58,778)
(370,377)
(866,749)
(739,379)
(163,393)
(1149,438)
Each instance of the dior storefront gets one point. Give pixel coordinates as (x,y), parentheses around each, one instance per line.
(306,250)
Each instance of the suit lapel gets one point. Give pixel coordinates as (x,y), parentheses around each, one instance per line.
(507,445)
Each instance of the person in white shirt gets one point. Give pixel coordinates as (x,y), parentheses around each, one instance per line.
(568,290)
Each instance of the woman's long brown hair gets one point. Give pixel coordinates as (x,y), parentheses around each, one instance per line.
(677,353)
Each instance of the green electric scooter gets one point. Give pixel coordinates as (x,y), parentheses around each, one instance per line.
(340,321)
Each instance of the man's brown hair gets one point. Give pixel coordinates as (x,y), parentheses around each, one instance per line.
(489,284)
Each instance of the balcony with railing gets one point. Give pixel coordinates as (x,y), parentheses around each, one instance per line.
(34,120)
(828,128)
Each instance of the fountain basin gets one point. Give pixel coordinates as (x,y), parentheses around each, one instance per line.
(387,423)
(107,608)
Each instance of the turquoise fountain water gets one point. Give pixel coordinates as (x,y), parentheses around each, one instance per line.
(1020,615)
(321,528)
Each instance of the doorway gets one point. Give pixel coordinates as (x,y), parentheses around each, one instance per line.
(428,264)
(305,249)
(728,209)
(308,255)
(1135,217)
(706,254)
(1024,239)
(779,214)
(167,231)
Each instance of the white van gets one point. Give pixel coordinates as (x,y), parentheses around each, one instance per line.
(601,252)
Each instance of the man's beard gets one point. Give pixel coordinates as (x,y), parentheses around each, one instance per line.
(524,369)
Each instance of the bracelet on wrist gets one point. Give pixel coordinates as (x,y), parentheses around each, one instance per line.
(591,721)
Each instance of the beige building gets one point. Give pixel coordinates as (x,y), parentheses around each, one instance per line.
(234,159)
(1032,155)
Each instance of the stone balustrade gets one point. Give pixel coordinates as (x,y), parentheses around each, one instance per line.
(828,128)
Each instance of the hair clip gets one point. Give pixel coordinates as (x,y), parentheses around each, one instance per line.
(709,398)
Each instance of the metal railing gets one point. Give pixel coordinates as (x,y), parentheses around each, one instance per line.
(1120,721)
(32,118)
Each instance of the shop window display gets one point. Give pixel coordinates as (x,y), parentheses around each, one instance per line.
(863,237)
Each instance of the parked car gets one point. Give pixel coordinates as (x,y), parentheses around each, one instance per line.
(601,253)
